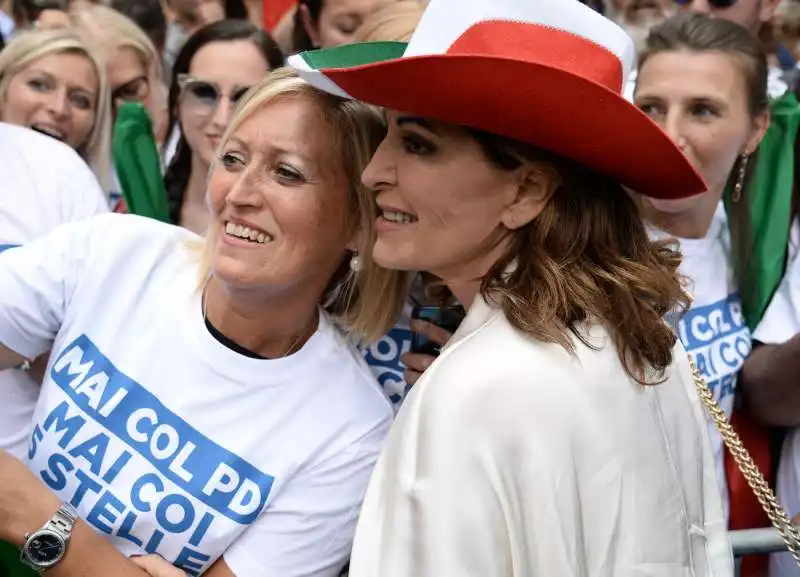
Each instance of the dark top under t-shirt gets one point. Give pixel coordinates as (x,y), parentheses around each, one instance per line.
(230,344)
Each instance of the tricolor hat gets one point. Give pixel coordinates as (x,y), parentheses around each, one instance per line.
(546,72)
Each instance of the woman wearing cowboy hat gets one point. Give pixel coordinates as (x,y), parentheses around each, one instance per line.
(558,432)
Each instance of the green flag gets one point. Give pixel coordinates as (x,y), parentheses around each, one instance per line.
(138,163)
(769,204)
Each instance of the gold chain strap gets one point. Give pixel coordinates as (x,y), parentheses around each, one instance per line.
(780,520)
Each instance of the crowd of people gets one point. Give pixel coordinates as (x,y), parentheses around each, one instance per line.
(396,288)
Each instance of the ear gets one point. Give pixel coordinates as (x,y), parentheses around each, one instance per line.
(760,126)
(535,187)
(309,25)
(767,10)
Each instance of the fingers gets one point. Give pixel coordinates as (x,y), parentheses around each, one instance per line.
(435,333)
(156,566)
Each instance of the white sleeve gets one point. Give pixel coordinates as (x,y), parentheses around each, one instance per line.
(782,318)
(38,280)
(82,194)
(308,530)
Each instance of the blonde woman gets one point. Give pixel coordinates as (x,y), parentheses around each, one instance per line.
(134,64)
(53,82)
(234,415)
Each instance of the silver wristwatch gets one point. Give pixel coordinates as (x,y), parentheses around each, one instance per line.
(45,547)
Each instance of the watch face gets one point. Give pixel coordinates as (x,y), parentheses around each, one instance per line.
(45,548)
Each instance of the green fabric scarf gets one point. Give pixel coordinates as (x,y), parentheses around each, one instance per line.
(138,163)
(770,206)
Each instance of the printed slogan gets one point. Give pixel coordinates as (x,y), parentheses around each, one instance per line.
(138,472)
(718,340)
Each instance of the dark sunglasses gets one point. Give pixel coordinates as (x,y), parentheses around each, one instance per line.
(207,94)
(714,3)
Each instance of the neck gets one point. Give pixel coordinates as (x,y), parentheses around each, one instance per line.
(692,222)
(270,324)
(195,192)
(464,281)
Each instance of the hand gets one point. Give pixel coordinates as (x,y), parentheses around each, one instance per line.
(416,363)
(25,502)
(157,566)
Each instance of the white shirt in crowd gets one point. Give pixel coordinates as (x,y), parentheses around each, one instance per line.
(44,184)
(713,330)
(511,457)
(168,441)
(780,323)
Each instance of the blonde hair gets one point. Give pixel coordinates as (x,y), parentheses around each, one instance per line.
(114,30)
(394,22)
(367,302)
(31,45)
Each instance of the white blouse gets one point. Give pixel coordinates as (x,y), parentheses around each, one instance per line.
(513,458)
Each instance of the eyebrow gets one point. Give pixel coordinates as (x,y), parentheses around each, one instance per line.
(421,122)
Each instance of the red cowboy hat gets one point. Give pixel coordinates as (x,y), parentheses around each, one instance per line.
(546,72)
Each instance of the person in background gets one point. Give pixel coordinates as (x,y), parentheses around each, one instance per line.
(751,14)
(327,23)
(204,90)
(227,352)
(53,82)
(27,12)
(133,62)
(147,15)
(703,80)
(393,22)
(37,197)
(133,65)
(637,17)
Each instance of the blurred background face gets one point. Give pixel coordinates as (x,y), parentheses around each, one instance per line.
(129,78)
(211,89)
(636,17)
(339,20)
(700,100)
(56,94)
(751,14)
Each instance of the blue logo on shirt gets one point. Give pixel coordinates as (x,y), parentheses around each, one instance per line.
(384,359)
(718,340)
(180,478)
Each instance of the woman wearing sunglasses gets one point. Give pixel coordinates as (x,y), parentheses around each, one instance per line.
(205,88)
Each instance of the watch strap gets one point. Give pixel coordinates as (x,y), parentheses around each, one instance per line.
(64,519)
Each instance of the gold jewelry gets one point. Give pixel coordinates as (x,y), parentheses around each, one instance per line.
(766,497)
(738,188)
(204,306)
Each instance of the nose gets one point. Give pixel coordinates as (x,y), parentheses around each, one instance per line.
(245,191)
(222,113)
(380,173)
(673,125)
(58,104)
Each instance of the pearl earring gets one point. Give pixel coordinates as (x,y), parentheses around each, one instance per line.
(355,263)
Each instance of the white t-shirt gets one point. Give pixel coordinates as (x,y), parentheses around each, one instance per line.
(713,330)
(44,184)
(780,323)
(168,441)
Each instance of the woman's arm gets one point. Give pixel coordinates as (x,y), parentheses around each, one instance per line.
(769,379)
(9,359)
(26,505)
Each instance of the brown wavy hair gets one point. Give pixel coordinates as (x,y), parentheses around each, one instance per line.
(586,257)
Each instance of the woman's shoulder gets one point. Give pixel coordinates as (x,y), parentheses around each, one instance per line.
(343,373)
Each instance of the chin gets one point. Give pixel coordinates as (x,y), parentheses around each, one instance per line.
(391,258)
